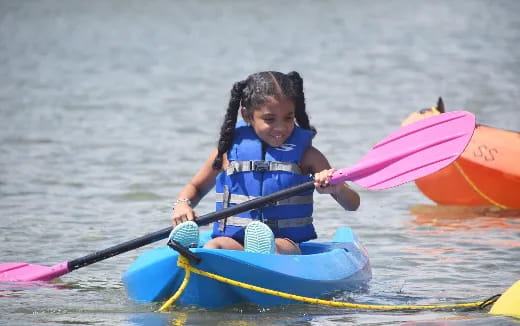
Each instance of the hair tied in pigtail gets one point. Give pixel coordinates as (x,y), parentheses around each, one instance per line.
(296,79)
(227,130)
(300,110)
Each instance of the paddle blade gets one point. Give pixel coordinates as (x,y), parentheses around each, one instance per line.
(411,152)
(23,272)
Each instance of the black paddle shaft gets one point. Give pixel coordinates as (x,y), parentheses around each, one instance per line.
(203,220)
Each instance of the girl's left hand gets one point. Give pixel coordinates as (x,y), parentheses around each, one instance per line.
(321,182)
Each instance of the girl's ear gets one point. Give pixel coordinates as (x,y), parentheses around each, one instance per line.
(245,115)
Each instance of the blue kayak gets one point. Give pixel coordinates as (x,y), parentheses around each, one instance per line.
(323,268)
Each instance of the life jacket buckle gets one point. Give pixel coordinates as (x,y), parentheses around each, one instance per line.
(260,166)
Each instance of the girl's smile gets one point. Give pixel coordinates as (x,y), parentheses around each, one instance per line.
(273,122)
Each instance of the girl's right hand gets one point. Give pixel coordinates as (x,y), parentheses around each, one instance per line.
(183,212)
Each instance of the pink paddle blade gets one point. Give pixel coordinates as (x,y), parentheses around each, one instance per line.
(23,272)
(413,151)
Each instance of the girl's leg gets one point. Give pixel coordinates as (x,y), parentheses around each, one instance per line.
(286,246)
(224,243)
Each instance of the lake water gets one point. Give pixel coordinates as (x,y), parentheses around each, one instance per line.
(108,107)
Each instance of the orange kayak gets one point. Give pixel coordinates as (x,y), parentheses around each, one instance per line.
(486,174)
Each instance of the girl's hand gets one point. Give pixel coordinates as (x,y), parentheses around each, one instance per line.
(321,182)
(182,212)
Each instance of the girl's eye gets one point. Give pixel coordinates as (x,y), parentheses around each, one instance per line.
(269,120)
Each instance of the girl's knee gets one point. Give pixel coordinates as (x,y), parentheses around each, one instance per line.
(286,246)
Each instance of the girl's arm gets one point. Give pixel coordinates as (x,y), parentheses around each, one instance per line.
(315,162)
(194,190)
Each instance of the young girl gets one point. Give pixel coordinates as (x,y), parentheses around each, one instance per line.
(269,150)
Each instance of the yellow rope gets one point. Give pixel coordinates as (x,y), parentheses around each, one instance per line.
(184,283)
(474,187)
(184,263)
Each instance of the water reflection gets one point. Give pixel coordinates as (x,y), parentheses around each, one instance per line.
(464,217)
(466,227)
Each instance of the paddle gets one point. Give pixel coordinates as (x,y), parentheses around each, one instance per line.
(413,151)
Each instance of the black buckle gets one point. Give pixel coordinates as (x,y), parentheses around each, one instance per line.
(260,166)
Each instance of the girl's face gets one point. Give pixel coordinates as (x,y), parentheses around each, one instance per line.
(273,122)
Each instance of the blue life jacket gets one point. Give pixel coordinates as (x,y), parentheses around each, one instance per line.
(254,171)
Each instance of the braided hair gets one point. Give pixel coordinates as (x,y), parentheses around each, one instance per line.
(254,92)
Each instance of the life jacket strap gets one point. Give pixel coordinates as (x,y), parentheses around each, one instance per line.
(226,198)
(272,223)
(262,166)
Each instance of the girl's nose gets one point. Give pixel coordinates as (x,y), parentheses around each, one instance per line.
(280,126)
